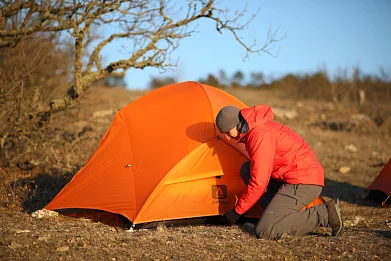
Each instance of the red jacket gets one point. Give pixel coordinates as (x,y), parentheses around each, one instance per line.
(276,152)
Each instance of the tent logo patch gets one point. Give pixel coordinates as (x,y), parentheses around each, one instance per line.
(219,194)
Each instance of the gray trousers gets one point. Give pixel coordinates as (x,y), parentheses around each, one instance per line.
(282,203)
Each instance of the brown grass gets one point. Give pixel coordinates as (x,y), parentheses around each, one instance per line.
(97,235)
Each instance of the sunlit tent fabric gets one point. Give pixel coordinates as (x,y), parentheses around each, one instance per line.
(380,188)
(162,158)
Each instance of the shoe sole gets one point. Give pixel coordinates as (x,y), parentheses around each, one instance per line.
(339,212)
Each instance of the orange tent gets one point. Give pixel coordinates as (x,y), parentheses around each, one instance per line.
(163,159)
(380,188)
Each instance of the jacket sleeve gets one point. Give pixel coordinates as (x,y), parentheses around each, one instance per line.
(261,146)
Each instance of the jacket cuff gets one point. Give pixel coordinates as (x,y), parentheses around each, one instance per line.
(238,211)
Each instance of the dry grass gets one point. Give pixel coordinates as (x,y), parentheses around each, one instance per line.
(96,235)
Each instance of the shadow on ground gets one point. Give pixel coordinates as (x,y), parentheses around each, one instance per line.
(378,232)
(352,194)
(383,233)
(45,187)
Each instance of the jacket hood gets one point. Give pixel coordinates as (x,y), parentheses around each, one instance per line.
(257,115)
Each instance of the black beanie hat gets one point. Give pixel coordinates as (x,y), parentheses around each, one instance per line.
(227,118)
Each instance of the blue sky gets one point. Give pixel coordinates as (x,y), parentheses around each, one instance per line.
(334,33)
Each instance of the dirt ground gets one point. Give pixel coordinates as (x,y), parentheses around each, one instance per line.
(363,148)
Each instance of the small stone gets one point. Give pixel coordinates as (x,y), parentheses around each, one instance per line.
(351,148)
(15,245)
(285,114)
(42,213)
(344,170)
(43,238)
(34,162)
(354,222)
(62,249)
(18,231)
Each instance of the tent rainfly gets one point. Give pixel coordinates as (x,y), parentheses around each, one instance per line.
(163,159)
(380,188)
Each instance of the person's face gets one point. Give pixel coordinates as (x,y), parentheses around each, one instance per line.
(232,134)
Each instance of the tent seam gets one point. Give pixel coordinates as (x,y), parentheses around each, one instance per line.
(131,160)
(214,127)
(210,105)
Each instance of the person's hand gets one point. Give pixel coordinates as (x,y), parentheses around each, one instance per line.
(230,218)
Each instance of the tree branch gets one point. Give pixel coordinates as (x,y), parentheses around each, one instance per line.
(153,29)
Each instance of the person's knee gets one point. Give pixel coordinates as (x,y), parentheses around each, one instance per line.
(265,233)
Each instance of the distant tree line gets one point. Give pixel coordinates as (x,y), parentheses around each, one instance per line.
(344,86)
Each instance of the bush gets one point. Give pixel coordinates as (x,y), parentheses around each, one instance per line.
(30,75)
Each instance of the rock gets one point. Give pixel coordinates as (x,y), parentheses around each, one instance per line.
(285,114)
(18,231)
(344,170)
(62,249)
(43,238)
(15,245)
(354,222)
(34,162)
(388,223)
(351,148)
(44,213)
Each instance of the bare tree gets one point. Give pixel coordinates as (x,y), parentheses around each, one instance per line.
(152,28)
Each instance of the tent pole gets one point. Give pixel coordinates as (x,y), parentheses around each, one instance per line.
(384,202)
